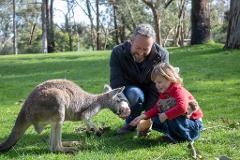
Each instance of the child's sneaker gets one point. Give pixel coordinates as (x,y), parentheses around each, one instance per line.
(167,138)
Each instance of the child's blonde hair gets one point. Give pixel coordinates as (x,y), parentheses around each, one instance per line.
(167,71)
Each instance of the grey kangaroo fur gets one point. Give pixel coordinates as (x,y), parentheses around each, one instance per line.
(55,101)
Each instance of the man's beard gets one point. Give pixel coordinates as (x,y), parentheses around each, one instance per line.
(137,59)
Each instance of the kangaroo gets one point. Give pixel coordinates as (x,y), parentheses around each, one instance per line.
(55,101)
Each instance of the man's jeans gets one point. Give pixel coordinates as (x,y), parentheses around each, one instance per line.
(135,97)
(179,129)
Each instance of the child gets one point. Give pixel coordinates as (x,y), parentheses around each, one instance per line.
(176,113)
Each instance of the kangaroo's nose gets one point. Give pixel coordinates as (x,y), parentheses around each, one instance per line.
(124,110)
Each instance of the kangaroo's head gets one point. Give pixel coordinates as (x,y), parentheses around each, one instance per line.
(116,101)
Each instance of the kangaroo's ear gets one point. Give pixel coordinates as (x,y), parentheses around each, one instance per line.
(120,90)
(107,88)
(116,91)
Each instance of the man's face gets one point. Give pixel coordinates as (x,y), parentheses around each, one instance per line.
(141,47)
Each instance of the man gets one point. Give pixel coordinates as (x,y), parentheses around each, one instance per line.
(131,64)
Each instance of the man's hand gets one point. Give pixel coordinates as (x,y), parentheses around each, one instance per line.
(162,117)
(137,120)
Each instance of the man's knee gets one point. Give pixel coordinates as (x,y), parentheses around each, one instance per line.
(134,95)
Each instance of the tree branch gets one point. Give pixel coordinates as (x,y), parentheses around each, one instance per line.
(168,3)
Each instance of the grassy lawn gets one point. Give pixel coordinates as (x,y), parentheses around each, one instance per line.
(210,73)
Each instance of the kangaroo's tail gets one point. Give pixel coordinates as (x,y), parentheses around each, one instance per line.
(21,125)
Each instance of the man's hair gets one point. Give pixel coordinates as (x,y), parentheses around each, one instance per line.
(144,30)
(167,71)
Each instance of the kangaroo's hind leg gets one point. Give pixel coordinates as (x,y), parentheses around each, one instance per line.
(56,139)
(70,143)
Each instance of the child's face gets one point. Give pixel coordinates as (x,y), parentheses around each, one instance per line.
(162,84)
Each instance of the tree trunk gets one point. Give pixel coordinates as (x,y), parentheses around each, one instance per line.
(123,29)
(91,22)
(200,19)
(178,37)
(157,26)
(68,30)
(79,41)
(166,39)
(15,48)
(69,27)
(115,23)
(130,14)
(97,25)
(123,25)
(51,44)
(233,35)
(31,33)
(156,16)
(47,23)
(44,26)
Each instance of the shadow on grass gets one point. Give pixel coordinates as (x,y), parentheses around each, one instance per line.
(109,142)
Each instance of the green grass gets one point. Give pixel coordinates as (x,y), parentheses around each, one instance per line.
(210,73)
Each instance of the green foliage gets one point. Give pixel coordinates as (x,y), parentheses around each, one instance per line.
(169,20)
(29,13)
(5,26)
(24,45)
(61,41)
(26,16)
(219,22)
(209,72)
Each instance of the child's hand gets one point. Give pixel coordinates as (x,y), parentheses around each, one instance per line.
(162,117)
(137,120)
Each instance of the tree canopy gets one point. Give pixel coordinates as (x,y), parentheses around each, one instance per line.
(34,26)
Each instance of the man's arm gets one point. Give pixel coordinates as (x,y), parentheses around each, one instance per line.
(164,55)
(162,52)
(116,72)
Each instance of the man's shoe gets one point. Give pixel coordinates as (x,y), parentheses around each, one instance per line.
(125,129)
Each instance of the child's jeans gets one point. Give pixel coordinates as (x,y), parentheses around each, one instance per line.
(179,129)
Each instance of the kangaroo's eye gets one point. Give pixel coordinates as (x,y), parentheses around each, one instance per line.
(118,100)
